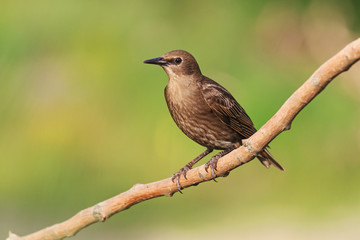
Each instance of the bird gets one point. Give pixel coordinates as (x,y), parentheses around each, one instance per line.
(205,112)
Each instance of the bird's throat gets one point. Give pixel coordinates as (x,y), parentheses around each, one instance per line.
(182,89)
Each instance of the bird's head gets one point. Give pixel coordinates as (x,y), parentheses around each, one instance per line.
(177,63)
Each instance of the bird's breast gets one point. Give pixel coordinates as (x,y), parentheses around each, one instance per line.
(196,119)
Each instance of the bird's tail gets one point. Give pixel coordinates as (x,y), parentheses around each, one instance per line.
(266,159)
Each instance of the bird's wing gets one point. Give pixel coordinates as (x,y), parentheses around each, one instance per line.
(226,108)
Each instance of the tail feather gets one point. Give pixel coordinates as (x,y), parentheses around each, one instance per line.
(267,160)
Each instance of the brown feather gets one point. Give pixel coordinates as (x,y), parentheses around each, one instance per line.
(229,111)
(204,110)
(226,108)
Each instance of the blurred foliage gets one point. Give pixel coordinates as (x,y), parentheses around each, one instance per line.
(82,118)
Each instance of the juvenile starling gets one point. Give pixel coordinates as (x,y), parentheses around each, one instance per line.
(205,111)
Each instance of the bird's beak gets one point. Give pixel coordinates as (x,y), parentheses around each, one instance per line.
(158,61)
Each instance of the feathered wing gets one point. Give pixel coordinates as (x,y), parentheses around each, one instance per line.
(229,111)
(226,108)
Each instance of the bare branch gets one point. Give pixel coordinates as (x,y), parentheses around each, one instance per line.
(281,121)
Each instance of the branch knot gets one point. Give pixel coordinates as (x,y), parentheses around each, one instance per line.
(99,214)
(248,146)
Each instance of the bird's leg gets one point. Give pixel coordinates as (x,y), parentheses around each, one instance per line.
(187,167)
(213,161)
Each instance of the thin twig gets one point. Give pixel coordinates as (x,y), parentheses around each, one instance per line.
(281,121)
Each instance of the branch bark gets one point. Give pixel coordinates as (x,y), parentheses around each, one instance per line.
(280,122)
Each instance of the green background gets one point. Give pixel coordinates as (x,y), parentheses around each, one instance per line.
(83,119)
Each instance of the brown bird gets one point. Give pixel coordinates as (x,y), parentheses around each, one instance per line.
(205,111)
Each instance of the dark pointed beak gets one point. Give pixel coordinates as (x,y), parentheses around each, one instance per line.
(158,61)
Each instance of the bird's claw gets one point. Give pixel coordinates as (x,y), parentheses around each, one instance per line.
(212,164)
(176,176)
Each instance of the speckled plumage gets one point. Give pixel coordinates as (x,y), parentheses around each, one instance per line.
(204,110)
(197,121)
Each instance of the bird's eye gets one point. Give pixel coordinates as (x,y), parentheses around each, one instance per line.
(178,60)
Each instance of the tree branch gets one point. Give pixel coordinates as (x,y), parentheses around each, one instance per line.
(280,122)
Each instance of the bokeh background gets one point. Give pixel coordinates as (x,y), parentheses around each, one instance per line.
(83,119)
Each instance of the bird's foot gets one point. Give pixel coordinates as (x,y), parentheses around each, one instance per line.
(212,164)
(176,176)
